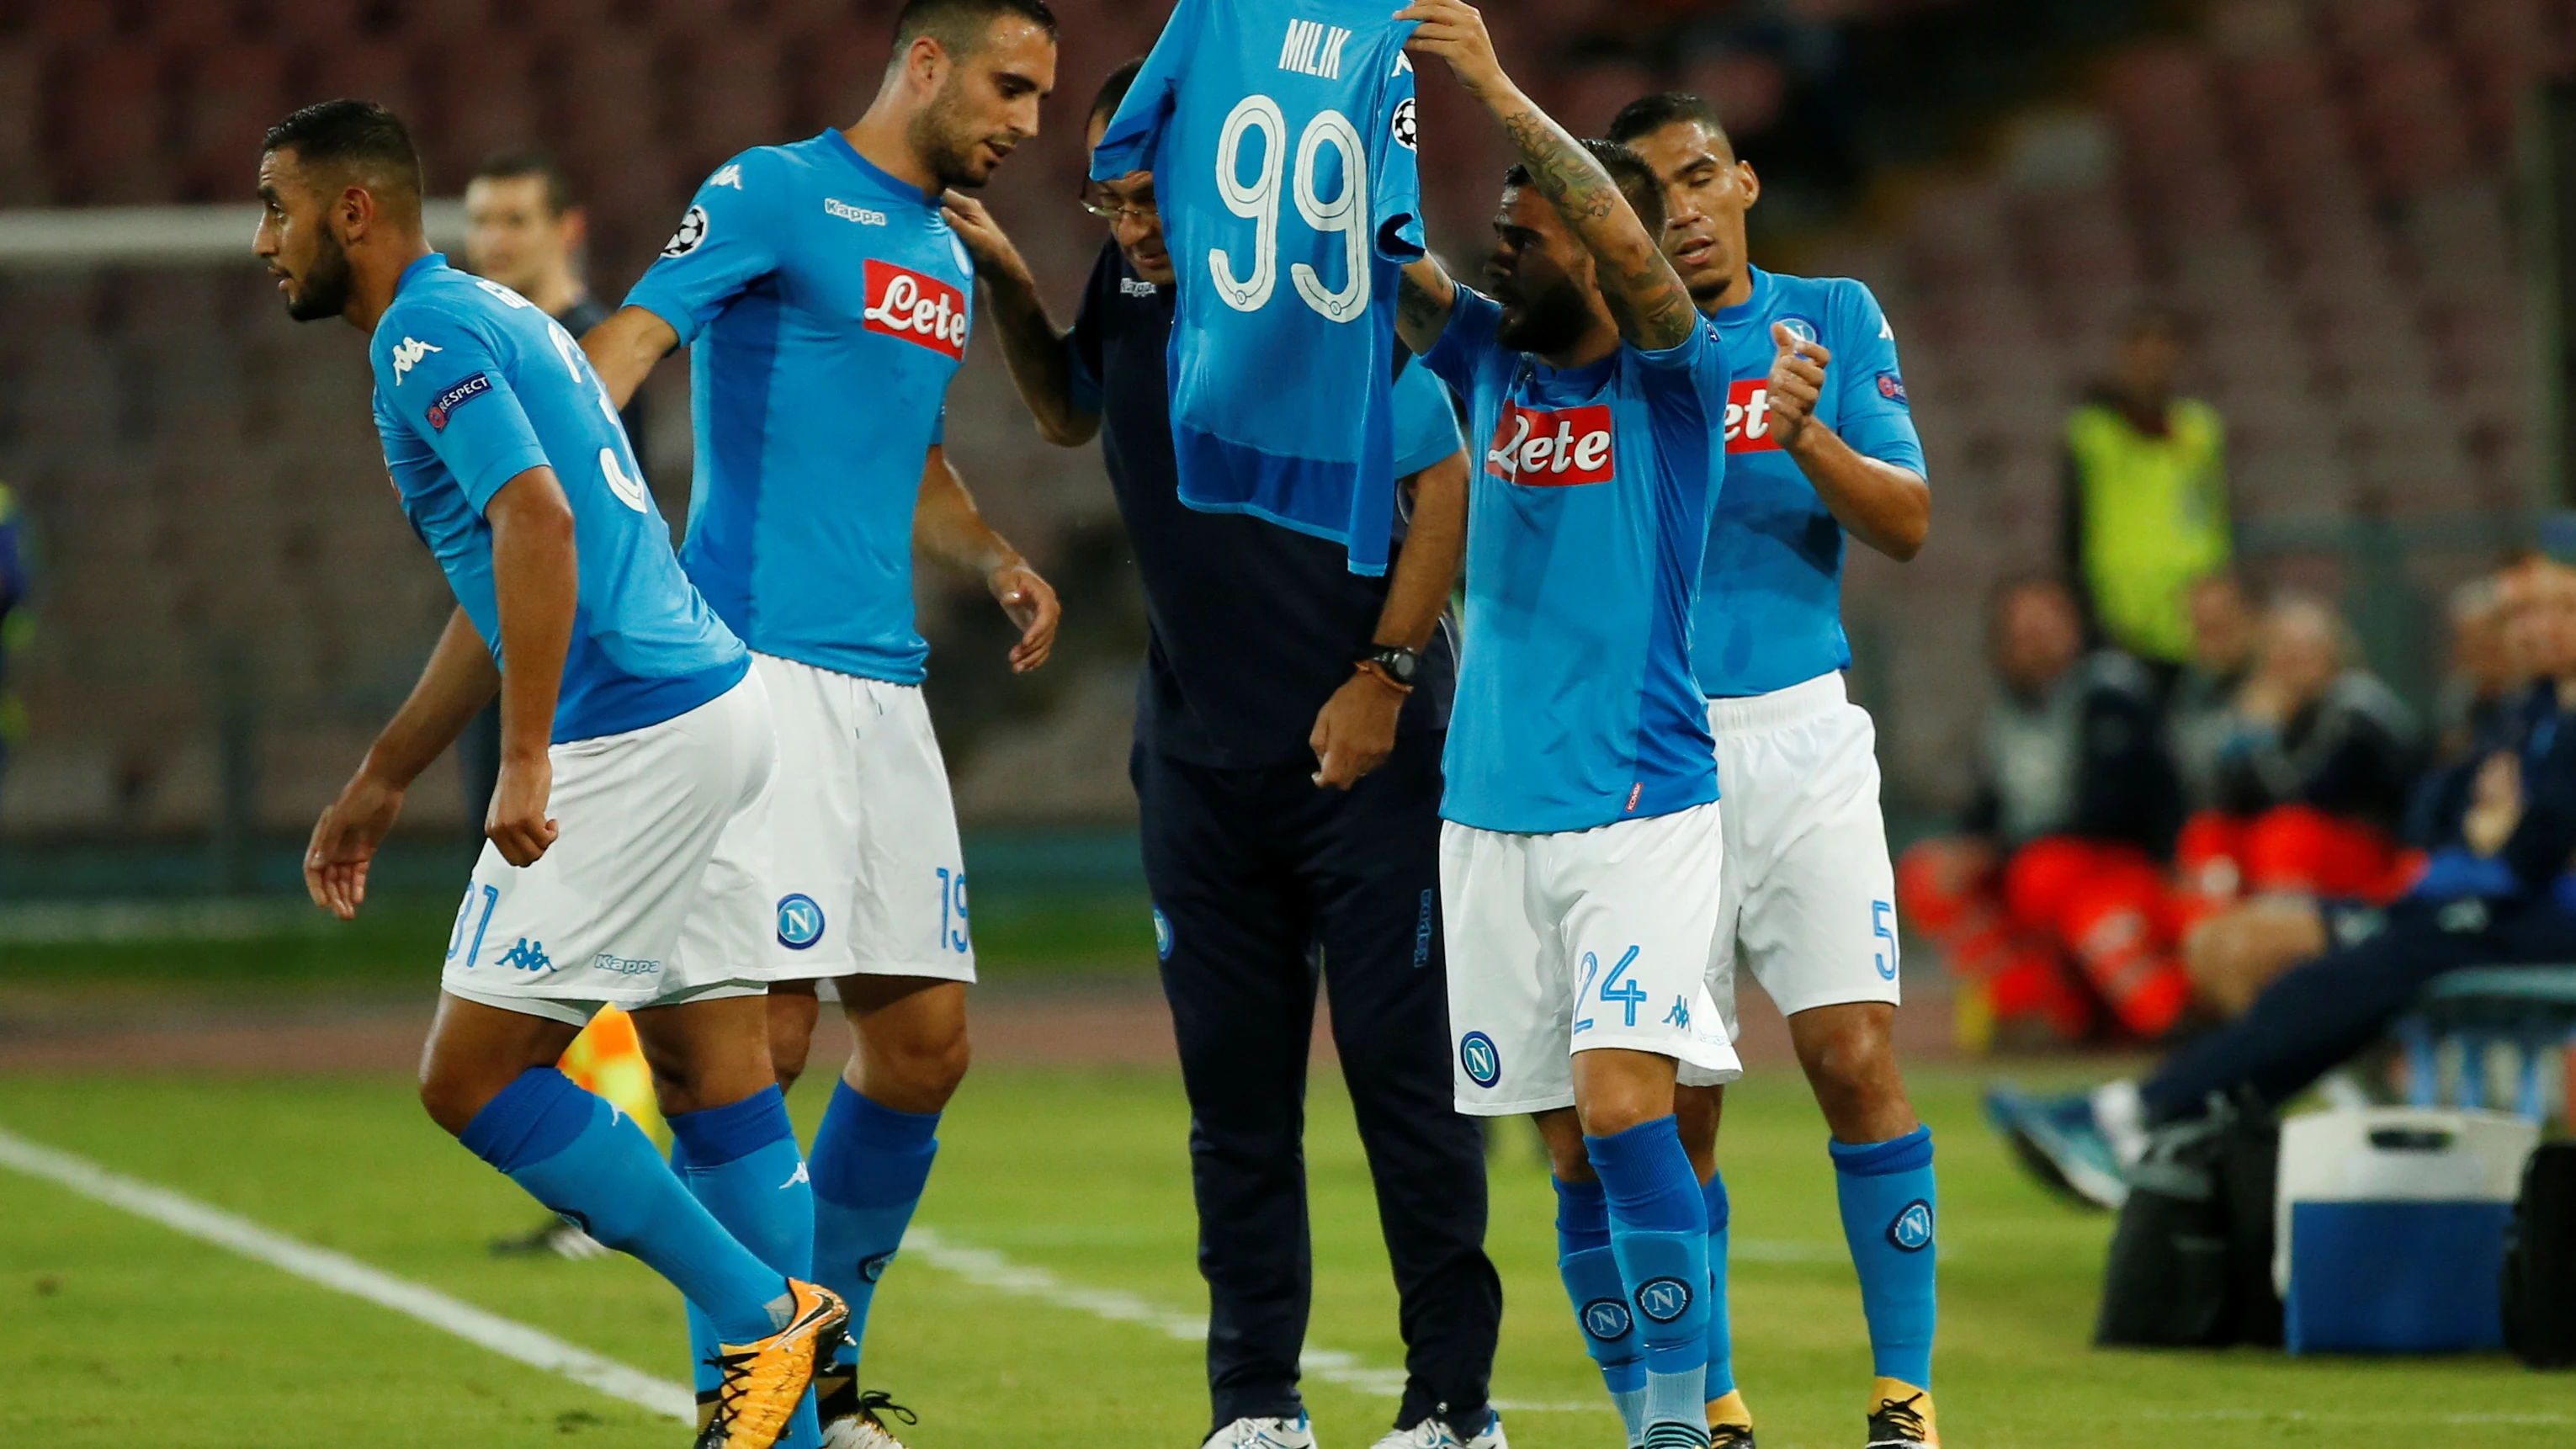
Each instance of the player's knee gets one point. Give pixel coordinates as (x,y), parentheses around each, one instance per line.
(452,1098)
(918,1072)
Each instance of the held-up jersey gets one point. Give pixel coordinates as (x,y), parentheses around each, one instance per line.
(826,305)
(475,386)
(1280,135)
(1771,592)
(1587,516)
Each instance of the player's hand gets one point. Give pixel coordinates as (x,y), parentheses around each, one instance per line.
(344,843)
(1455,31)
(985,240)
(1030,603)
(1355,730)
(1797,380)
(518,825)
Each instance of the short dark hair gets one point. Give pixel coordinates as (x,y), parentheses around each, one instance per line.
(1113,90)
(529,161)
(1648,114)
(1628,171)
(959,25)
(358,135)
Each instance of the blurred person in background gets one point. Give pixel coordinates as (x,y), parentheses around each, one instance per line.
(2050,899)
(524,229)
(1287,766)
(1820,442)
(2479,672)
(2200,713)
(2311,790)
(2145,510)
(2498,890)
(13,593)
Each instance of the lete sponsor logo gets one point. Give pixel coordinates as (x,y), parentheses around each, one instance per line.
(1552,448)
(925,310)
(1748,417)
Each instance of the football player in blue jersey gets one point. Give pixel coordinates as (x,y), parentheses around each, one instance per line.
(632,740)
(826,302)
(1582,846)
(1819,443)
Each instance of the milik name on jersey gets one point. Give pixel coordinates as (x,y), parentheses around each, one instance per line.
(1552,447)
(904,303)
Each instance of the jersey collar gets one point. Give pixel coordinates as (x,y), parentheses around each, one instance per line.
(1749,310)
(418,266)
(876,174)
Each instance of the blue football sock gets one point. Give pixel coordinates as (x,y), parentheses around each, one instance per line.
(869,1165)
(741,1162)
(1600,1299)
(1721,1332)
(1659,1233)
(1889,1213)
(582,1158)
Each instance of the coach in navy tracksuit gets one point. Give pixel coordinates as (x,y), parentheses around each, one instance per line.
(1287,762)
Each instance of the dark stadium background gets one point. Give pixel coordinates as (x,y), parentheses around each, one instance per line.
(2350,200)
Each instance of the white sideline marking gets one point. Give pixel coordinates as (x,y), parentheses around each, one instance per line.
(538,1349)
(345,1274)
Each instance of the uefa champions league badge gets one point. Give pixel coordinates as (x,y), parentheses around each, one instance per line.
(1911,1231)
(1476,1054)
(800,921)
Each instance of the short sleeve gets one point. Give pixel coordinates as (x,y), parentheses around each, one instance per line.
(1697,362)
(726,240)
(939,428)
(441,380)
(1874,418)
(1128,142)
(1467,341)
(1426,426)
(1395,196)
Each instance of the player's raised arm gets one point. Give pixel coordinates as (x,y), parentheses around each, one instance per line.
(1646,296)
(949,529)
(623,350)
(1033,347)
(1423,298)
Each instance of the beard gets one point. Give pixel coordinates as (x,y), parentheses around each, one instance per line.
(1548,321)
(325,288)
(938,138)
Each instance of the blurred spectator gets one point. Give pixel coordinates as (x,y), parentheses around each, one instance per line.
(2201,716)
(2499,890)
(2051,897)
(2145,512)
(524,229)
(13,592)
(2481,670)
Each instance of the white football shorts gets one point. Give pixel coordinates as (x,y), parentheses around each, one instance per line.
(1808,899)
(1575,941)
(862,873)
(599,919)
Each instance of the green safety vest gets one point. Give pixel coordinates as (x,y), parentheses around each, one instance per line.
(2155,520)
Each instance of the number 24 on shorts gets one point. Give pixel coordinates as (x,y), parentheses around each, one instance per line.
(1614,988)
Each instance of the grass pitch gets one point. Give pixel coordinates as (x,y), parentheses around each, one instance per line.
(114,1331)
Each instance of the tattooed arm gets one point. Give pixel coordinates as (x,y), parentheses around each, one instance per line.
(1645,295)
(1422,303)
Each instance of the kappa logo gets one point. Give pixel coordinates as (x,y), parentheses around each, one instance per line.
(448,401)
(800,921)
(691,235)
(1479,1058)
(799,1175)
(1748,417)
(834,206)
(921,310)
(1663,1300)
(1911,1229)
(873,1266)
(1553,448)
(729,174)
(1607,1319)
(1403,124)
(407,355)
(528,955)
(616,965)
(1137,287)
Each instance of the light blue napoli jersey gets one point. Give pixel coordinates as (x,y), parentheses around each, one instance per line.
(1426,426)
(1280,135)
(1586,521)
(475,386)
(826,305)
(1771,591)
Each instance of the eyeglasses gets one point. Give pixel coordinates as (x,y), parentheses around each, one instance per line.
(1110,209)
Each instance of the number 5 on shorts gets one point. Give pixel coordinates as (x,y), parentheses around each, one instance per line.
(1879,912)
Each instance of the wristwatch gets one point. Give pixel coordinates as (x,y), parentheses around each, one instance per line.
(1398,664)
